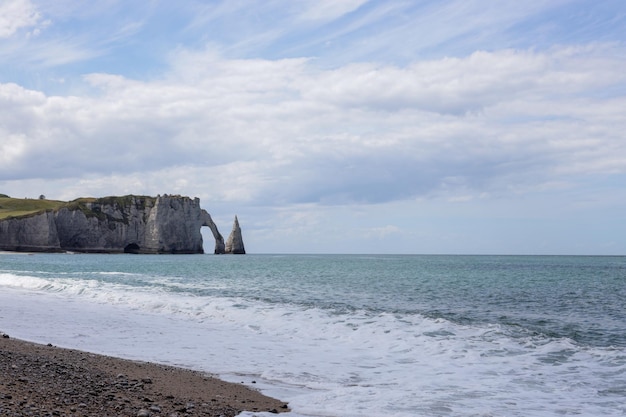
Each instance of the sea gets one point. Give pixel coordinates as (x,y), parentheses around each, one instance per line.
(347,335)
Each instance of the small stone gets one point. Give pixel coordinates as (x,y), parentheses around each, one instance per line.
(4,335)
(143,413)
(146,380)
(155,408)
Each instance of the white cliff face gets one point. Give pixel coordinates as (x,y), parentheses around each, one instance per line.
(234,244)
(35,233)
(104,225)
(136,224)
(173,226)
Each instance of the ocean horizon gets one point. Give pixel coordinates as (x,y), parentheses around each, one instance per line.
(347,334)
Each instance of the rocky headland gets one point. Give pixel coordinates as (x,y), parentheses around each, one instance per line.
(127,224)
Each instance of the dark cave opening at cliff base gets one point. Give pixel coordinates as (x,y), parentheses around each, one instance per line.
(131,248)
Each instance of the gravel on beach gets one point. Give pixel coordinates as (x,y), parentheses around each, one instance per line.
(43,380)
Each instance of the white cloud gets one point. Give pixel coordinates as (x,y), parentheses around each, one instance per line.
(12,148)
(382,232)
(17,14)
(286,132)
(330,9)
(461,85)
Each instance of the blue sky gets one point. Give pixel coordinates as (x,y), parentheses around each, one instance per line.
(330,126)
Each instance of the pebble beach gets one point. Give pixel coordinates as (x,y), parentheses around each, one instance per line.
(44,380)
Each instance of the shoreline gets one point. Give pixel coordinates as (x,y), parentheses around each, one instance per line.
(46,380)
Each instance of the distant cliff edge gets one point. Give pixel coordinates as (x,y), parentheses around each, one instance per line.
(127,224)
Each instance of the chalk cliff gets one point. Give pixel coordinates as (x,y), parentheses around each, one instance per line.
(134,224)
(34,233)
(234,243)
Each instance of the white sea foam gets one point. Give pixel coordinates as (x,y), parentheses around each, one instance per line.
(323,362)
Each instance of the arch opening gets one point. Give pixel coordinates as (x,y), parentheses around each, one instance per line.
(131,248)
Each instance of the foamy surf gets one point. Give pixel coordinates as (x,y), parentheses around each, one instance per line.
(325,359)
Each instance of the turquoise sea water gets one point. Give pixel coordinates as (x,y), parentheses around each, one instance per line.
(341,335)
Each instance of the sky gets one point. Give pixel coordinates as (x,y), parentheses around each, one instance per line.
(330,126)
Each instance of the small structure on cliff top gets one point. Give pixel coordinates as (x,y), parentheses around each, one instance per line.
(128,224)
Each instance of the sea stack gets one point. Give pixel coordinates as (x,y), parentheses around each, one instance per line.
(234,243)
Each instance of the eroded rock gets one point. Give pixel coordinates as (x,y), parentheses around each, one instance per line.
(132,224)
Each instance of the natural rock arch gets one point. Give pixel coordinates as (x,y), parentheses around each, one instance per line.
(219,239)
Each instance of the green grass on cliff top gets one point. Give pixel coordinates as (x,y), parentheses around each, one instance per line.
(17,207)
(20,207)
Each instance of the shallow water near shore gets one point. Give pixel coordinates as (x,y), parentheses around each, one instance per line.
(347,335)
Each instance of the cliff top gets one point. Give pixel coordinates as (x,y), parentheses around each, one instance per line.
(21,207)
(24,207)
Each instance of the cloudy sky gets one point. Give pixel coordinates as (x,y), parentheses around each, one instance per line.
(330,126)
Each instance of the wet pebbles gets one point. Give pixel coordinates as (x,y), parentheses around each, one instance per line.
(37,380)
